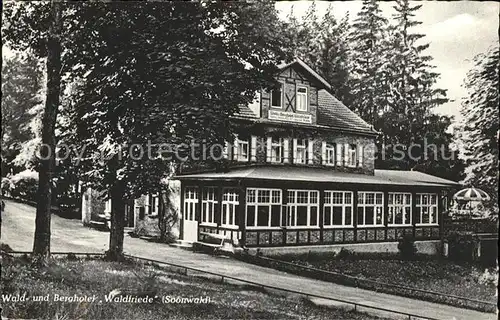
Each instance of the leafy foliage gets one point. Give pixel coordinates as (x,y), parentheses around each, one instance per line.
(21,102)
(478,130)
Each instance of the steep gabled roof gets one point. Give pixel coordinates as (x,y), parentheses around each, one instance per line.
(333,113)
(309,70)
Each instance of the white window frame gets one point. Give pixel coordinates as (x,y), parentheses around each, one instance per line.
(330,154)
(293,204)
(282,85)
(352,156)
(275,199)
(191,195)
(276,158)
(429,206)
(155,205)
(328,202)
(241,144)
(230,202)
(302,94)
(405,207)
(302,147)
(362,196)
(208,218)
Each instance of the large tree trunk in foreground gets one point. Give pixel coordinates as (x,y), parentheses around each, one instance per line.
(115,251)
(163,216)
(41,246)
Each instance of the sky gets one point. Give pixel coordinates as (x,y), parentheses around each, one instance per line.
(456,30)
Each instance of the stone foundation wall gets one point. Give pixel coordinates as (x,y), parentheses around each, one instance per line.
(431,247)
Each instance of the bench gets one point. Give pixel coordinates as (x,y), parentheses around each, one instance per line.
(214,243)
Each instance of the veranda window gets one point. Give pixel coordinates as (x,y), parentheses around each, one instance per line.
(230,204)
(190,203)
(399,206)
(426,208)
(208,206)
(263,207)
(338,208)
(303,208)
(370,209)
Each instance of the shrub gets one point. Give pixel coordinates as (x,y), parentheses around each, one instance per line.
(6,186)
(461,246)
(344,254)
(407,248)
(24,185)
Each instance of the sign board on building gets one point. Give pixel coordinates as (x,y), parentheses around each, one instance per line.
(289,116)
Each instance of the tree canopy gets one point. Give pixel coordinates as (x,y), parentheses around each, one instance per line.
(478,131)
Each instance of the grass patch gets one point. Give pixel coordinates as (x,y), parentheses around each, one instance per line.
(465,280)
(445,277)
(89,277)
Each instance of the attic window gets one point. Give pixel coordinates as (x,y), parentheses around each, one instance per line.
(301,99)
(277,97)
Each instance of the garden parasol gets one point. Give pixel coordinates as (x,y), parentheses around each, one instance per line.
(471,194)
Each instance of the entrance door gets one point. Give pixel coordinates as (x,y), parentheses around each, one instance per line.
(190,225)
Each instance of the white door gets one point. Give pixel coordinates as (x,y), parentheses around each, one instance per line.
(190,225)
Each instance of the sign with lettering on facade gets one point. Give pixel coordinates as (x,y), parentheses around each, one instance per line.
(289,116)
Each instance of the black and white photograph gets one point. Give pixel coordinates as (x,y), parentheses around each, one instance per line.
(249,160)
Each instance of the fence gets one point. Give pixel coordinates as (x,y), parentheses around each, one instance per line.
(356,306)
(348,280)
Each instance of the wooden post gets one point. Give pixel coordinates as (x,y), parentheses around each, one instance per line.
(242,197)
(199,208)
(284,206)
(321,213)
(181,223)
(218,208)
(355,214)
(413,211)
(440,216)
(385,214)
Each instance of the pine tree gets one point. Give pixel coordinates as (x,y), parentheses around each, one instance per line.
(408,117)
(478,132)
(367,46)
(322,43)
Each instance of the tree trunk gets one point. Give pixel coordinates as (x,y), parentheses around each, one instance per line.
(167,213)
(41,246)
(115,251)
(162,218)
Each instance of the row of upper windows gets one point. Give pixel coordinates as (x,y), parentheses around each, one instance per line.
(301,97)
(278,149)
(266,208)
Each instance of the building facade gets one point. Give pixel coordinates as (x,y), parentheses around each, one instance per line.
(300,172)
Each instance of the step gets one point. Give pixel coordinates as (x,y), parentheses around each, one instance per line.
(188,245)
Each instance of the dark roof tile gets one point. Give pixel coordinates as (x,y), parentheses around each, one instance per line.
(333,113)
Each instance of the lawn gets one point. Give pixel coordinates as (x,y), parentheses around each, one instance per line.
(94,277)
(443,276)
